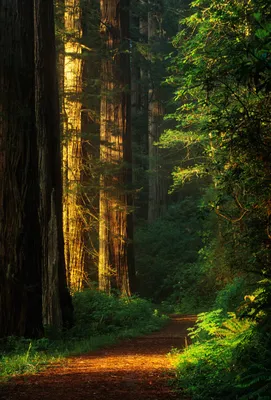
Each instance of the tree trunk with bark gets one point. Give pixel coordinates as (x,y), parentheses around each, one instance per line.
(157,185)
(72,147)
(20,242)
(91,131)
(56,301)
(116,264)
(32,285)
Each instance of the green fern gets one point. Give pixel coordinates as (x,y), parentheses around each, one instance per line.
(232,328)
(256,381)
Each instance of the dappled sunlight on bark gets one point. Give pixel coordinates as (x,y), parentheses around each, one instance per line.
(72,147)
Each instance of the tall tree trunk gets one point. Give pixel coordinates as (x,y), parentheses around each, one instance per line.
(90,139)
(20,244)
(143,31)
(56,301)
(116,264)
(32,285)
(72,147)
(139,94)
(157,185)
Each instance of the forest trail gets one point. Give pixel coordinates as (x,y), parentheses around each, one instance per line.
(136,369)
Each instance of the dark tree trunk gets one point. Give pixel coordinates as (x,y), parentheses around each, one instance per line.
(56,299)
(90,139)
(32,274)
(158,185)
(20,244)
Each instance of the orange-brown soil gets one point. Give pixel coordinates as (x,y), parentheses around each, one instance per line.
(136,369)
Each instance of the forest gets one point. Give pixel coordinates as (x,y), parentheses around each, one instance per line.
(135,185)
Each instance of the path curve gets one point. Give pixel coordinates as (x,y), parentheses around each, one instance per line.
(136,369)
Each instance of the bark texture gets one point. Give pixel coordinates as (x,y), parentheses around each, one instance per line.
(20,243)
(55,297)
(116,267)
(32,275)
(72,147)
(157,184)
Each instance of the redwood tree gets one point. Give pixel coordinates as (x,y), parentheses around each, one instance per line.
(20,236)
(116,230)
(55,297)
(72,146)
(158,185)
(33,284)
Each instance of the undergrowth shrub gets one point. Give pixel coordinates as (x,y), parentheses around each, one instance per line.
(230,297)
(207,368)
(166,250)
(230,357)
(97,313)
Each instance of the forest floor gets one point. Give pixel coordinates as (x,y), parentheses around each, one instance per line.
(135,369)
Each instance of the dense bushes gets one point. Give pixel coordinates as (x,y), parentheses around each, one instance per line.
(167,250)
(230,356)
(97,313)
(230,297)
(185,259)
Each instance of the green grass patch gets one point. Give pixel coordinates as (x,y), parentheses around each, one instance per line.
(20,356)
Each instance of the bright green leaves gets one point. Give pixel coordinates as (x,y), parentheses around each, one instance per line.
(221,73)
(209,369)
(183,175)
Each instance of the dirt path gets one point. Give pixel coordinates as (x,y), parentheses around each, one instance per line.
(136,369)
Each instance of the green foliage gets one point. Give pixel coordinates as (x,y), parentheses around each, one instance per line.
(230,356)
(208,368)
(169,247)
(258,304)
(97,313)
(222,80)
(221,74)
(188,262)
(230,297)
(20,355)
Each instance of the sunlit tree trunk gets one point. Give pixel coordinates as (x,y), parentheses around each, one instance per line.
(116,267)
(157,186)
(56,301)
(72,146)
(60,53)
(20,242)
